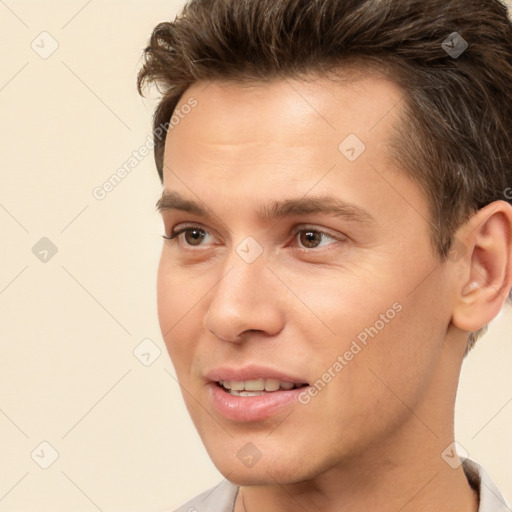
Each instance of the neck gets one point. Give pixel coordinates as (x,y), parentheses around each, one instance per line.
(420,486)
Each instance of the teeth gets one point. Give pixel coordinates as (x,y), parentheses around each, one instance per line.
(255,387)
(272,384)
(247,393)
(235,385)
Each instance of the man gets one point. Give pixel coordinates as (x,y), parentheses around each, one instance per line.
(338,230)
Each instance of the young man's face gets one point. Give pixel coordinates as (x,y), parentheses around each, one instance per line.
(359,314)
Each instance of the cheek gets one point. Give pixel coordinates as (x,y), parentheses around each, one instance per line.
(387,334)
(166,299)
(399,357)
(177,302)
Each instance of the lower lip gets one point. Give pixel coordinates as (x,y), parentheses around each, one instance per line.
(251,408)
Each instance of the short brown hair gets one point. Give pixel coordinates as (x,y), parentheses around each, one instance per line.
(455,137)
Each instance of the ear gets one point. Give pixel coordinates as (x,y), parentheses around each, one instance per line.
(485,267)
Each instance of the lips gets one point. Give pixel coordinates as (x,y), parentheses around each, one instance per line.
(251,372)
(252,393)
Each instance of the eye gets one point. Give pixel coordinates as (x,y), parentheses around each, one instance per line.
(308,238)
(311,238)
(193,235)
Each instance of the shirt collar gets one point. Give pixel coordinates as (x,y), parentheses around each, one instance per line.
(491,499)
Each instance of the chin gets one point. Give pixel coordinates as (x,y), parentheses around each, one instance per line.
(269,470)
(261,476)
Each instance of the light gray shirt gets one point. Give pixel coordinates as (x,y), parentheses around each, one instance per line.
(222,497)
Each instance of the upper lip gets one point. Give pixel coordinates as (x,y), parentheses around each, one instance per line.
(251,372)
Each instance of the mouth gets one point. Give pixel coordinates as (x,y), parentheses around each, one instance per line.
(252,393)
(257,387)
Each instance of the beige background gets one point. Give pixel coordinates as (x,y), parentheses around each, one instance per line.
(69,326)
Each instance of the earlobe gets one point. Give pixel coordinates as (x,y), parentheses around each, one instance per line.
(487,277)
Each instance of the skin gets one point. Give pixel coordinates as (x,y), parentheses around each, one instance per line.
(374,436)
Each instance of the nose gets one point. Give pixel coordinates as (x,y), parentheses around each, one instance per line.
(244,301)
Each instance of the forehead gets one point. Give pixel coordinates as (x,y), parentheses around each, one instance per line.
(244,145)
(282,125)
(289,112)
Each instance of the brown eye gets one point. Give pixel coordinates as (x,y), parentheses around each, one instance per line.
(310,238)
(194,236)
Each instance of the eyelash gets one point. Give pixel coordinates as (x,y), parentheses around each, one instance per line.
(295,232)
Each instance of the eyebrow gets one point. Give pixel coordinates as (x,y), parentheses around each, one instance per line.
(322,204)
